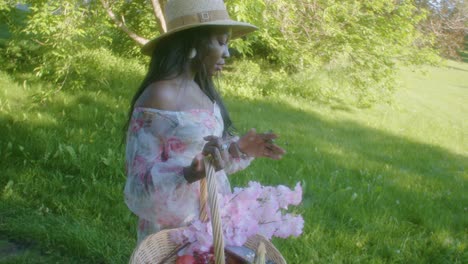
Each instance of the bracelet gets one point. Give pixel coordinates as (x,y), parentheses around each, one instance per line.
(239,153)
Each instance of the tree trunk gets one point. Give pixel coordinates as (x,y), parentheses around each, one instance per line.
(138,39)
(158,7)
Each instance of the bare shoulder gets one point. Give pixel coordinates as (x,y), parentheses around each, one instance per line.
(160,95)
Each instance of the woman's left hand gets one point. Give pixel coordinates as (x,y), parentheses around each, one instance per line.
(260,145)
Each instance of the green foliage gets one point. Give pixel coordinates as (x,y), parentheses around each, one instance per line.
(362,41)
(55,27)
(46,38)
(99,70)
(15,53)
(381,185)
(352,47)
(262,81)
(330,85)
(138,16)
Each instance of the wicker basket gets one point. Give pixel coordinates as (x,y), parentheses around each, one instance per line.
(158,248)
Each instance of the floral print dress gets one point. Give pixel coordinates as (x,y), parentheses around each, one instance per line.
(159,145)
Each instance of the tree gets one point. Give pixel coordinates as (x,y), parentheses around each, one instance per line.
(447,20)
(120,24)
(358,42)
(361,42)
(157,7)
(46,36)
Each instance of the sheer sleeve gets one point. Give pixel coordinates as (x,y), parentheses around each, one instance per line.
(236,164)
(156,189)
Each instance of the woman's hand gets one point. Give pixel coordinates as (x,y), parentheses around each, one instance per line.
(217,149)
(196,170)
(260,145)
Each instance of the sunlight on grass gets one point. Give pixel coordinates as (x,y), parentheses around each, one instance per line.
(381,185)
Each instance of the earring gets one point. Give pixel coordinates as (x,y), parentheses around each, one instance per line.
(193,53)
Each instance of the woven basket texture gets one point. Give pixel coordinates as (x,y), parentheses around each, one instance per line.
(158,246)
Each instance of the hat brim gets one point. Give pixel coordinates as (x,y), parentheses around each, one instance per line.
(239,29)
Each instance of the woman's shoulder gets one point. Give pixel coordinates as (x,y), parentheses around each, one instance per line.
(160,95)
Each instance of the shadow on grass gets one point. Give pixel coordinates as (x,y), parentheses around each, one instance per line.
(351,138)
(52,214)
(394,177)
(317,149)
(457,68)
(464,57)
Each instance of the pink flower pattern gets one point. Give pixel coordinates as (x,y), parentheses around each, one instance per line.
(176,145)
(159,145)
(136,124)
(140,168)
(209,123)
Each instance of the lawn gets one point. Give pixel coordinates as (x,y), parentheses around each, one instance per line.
(381,185)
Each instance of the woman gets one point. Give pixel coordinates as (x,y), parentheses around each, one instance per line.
(177,117)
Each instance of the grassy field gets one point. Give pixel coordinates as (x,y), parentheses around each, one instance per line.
(381,185)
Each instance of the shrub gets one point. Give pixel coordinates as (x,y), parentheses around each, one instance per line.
(101,70)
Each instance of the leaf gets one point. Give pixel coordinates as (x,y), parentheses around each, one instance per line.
(72,152)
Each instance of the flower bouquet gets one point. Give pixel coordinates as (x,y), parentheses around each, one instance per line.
(244,213)
(245,220)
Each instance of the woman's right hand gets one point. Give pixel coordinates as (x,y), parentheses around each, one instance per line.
(196,170)
(217,149)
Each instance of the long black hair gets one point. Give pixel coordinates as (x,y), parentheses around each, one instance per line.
(169,60)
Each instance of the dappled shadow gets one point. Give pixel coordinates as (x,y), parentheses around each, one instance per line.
(354,142)
(48,149)
(393,176)
(320,150)
(353,138)
(456,68)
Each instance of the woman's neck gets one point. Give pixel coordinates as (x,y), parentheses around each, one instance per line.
(189,72)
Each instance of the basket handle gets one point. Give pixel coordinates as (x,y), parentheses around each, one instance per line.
(209,193)
(203,201)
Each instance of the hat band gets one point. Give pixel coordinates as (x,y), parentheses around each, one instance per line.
(197,18)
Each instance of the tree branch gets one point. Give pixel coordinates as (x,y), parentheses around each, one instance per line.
(158,14)
(138,39)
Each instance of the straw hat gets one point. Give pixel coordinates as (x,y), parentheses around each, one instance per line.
(186,14)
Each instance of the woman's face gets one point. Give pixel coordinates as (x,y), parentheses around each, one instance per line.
(216,52)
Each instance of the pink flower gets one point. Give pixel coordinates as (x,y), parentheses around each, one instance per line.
(136,124)
(209,123)
(139,167)
(142,224)
(291,226)
(196,112)
(296,196)
(286,196)
(246,212)
(176,145)
(298,226)
(267,230)
(169,221)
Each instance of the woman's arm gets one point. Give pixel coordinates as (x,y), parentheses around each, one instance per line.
(156,188)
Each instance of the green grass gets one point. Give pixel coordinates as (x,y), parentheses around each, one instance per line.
(381,185)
